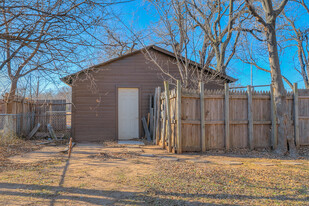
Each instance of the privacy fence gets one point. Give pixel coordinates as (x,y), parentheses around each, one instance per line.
(43,114)
(190,120)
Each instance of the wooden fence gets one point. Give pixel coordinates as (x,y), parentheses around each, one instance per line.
(225,119)
(27,114)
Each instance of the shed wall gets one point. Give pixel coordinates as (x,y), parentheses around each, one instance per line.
(94,94)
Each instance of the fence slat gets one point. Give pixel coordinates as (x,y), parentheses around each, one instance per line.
(227,116)
(168,123)
(202,105)
(250,118)
(178,117)
(274,135)
(296,115)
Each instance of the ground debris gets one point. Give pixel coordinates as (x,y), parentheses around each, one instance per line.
(114,155)
(17,148)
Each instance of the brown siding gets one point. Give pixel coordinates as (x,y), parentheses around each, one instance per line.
(95,108)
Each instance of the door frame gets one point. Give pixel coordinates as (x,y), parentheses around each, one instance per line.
(135,86)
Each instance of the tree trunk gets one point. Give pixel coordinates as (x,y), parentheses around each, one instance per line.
(285,129)
(11,96)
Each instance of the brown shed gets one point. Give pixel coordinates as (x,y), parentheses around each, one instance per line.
(109,99)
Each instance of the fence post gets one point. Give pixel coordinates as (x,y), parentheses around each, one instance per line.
(274,136)
(227,117)
(296,115)
(178,117)
(168,125)
(158,115)
(203,139)
(250,118)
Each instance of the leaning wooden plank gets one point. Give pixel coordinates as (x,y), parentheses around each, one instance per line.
(151,122)
(163,124)
(51,132)
(168,123)
(154,116)
(146,129)
(158,116)
(35,129)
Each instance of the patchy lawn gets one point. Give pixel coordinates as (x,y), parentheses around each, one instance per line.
(119,175)
(15,147)
(247,184)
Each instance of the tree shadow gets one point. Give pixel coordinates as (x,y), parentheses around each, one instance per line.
(107,197)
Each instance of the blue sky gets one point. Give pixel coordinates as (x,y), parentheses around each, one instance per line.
(140,13)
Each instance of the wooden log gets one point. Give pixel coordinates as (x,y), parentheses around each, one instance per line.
(154,116)
(226,116)
(296,115)
(168,117)
(274,134)
(151,123)
(147,134)
(158,115)
(250,118)
(35,129)
(163,125)
(178,117)
(202,103)
(51,132)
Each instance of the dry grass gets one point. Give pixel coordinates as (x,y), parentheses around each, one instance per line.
(11,147)
(180,183)
(117,176)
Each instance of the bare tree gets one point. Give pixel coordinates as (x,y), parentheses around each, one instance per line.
(219,20)
(300,39)
(247,56)
(267,16)
(49,36)
(181,30)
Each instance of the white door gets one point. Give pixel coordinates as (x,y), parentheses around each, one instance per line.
(128,113)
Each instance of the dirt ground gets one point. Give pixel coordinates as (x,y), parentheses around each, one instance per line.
(112,174)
